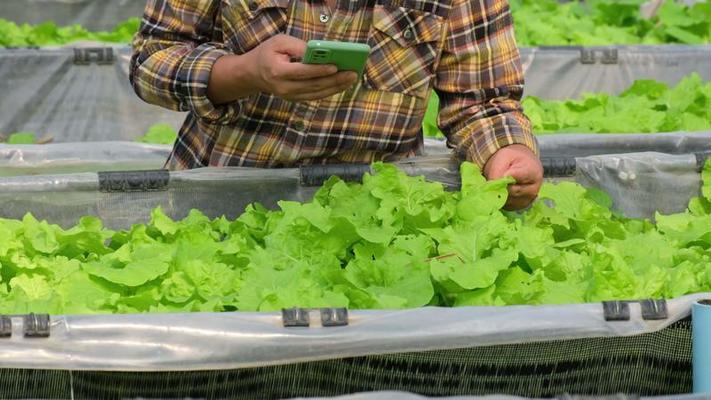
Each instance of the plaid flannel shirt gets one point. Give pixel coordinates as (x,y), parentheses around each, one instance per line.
(464,49)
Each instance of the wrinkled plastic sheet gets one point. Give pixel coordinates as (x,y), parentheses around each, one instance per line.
(44,92)
(572,145)
(641,184)
(63,199)
(92,14)
(396,395)
(67,158)
(569,71)
(213,341)
(583,145)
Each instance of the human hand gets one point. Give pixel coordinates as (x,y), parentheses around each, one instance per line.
(275,73)
(520,163)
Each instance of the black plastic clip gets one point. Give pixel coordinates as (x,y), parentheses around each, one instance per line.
(5,326)
(334,317)
(98,55)
(293,317)
(587,56)
(36,325)
(616,310)
(654,309)
(317,175)
(607,55)
(134,181)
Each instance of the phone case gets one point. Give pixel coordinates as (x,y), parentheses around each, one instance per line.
(345,55)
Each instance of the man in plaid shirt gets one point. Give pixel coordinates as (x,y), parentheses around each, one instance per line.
(230,63)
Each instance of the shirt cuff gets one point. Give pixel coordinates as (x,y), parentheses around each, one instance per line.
(193,78)
(489,135)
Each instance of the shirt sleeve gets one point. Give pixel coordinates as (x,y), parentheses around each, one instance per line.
(479,81)
(173,53)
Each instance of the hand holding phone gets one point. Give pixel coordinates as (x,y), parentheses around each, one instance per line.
(346,56)
(272,71)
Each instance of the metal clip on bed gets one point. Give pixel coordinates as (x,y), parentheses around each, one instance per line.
(299,317)
(317,175)
(652,309)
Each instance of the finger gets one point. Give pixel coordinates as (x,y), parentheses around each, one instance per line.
(519,202)
(301,89)
(290,46)
(516,191)
(525,174)
(295,71)
(521,196)
(344,78)
(321,94)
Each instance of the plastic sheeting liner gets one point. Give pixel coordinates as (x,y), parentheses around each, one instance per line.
(639,183)
(44,92)
(66,158)
(590,144)
(567,72)
(642,184)
(209,341)
(394,395)
(63,199)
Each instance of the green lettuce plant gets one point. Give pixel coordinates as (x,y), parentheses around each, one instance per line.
(392,241)
(647,106)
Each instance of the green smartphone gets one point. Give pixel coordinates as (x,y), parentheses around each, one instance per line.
(346,56)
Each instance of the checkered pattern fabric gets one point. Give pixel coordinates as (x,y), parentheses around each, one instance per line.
(464,49)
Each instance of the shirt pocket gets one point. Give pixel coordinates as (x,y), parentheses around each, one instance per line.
(405,47)
(247,23)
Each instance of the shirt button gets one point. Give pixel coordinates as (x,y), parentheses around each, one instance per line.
(253,6)
(408,34)
(324,17)
(299,125)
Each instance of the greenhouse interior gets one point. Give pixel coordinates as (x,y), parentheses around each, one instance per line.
(355,199)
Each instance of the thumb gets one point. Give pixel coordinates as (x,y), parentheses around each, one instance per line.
(291,46)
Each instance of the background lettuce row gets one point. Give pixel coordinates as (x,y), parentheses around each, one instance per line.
(604,22)
(49,34)
(645,107)
(537,23)
(392,241)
